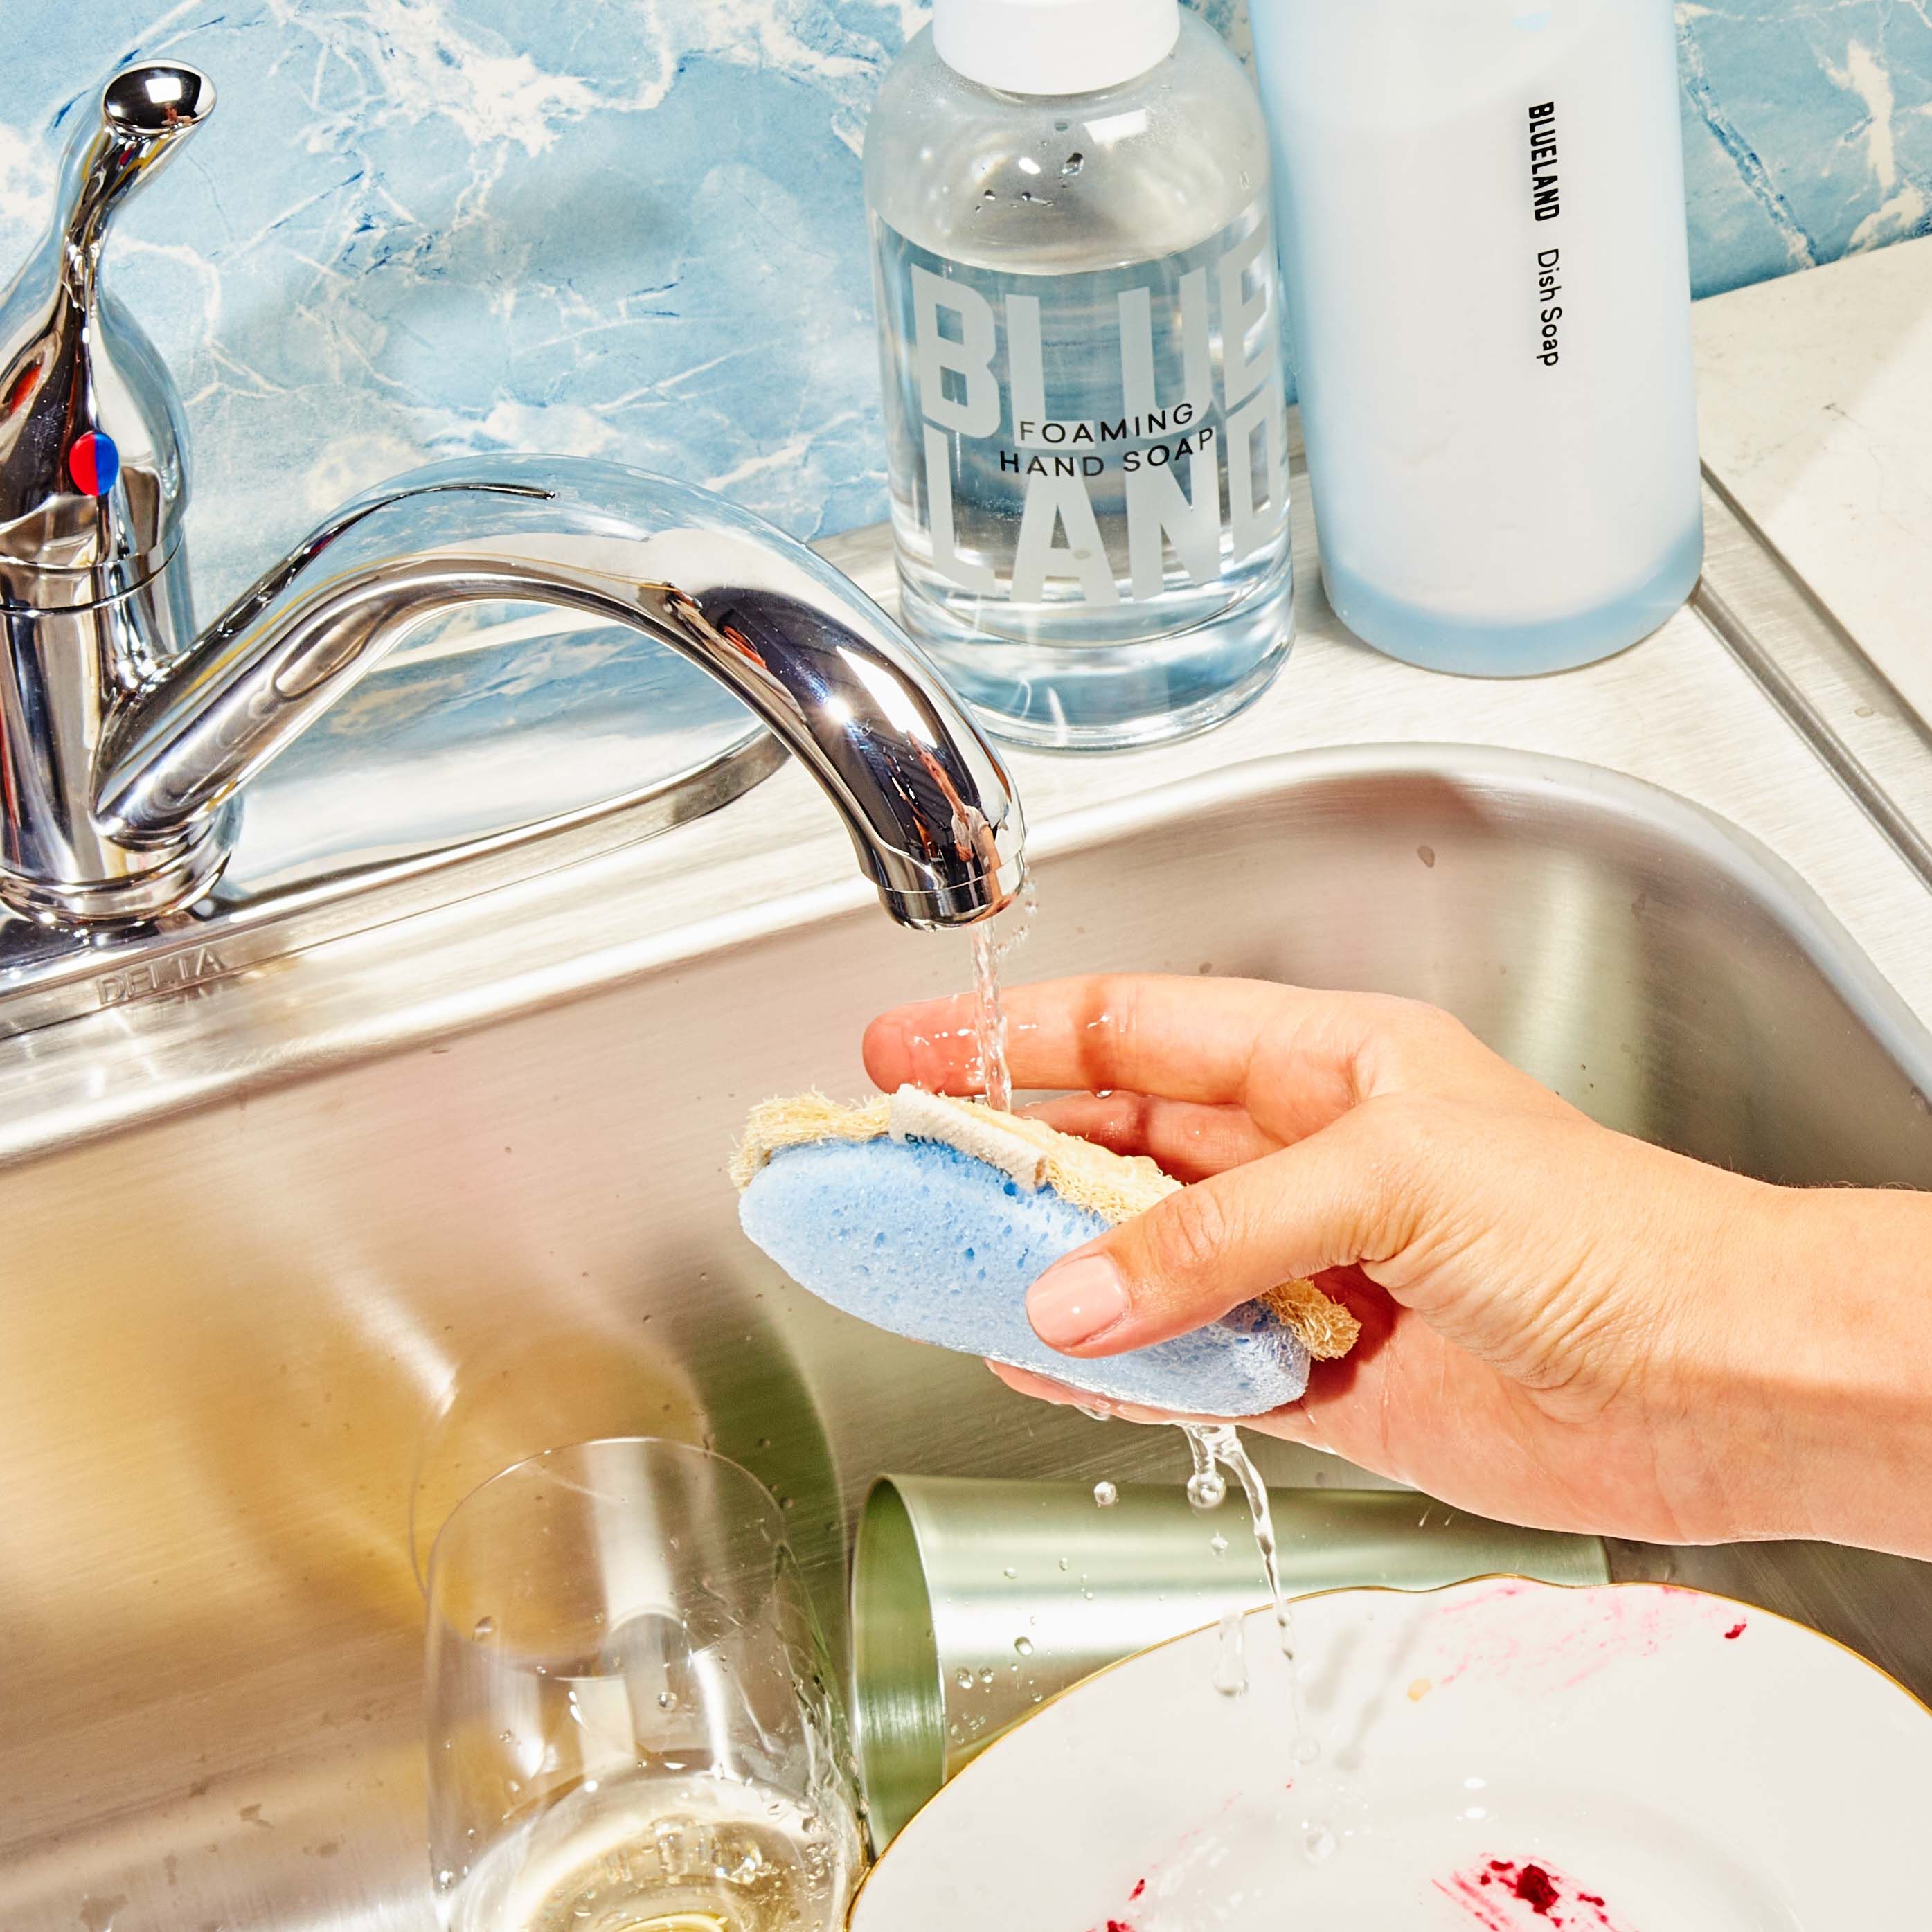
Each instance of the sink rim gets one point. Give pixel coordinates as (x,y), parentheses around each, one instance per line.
(133,1065)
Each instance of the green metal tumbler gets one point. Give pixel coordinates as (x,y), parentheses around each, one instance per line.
(974,1602)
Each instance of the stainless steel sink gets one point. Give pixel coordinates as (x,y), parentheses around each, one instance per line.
(294,1258)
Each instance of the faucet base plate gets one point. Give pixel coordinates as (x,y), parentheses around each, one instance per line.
(473,758)
(180,875)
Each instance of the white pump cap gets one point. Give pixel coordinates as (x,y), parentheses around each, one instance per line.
(1054,46)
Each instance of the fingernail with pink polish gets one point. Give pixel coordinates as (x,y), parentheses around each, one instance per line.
(1075,1301)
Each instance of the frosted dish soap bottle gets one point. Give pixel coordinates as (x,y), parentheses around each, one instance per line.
(1483,231)
(1080,324)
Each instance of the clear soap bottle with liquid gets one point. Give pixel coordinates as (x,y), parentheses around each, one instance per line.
(1081,329)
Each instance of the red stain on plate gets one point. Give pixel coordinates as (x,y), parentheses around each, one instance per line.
(1508,1894)
(1735,1631)
(1547,1642)
(1138,1889)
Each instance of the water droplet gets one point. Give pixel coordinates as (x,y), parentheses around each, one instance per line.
(683,1846)
(1319,1845)
(1064,1564)
(1231,1668)
(1073,163)
(1009,1573)
(484,1628)
(986,1680)
(1023,1645)
(750,1863)
(1106,1494)
(966,1679)
(667,1700)
(1208,1488)
(512,1786)
(1307,1750)
(1219,1544)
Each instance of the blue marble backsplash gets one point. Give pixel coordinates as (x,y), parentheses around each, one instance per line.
(632,228)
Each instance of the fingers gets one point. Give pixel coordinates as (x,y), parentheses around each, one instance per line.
(1184,1038)
(1295,1059)
(1023,1381)
(1350,1194)
(1401,1384)
(1182,1138)
(931,1045)
(1296,1423)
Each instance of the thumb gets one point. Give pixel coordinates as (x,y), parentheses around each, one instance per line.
(1345,1195)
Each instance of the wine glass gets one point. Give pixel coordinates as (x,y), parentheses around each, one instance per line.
(631,1722)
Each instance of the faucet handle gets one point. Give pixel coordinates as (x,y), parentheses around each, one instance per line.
(148,111)
(93,452)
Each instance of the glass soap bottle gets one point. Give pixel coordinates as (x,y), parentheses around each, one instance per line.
(1080,323)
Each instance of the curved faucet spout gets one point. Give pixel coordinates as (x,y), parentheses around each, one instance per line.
(929,803)
(123,735)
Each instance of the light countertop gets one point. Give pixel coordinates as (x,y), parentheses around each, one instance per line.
(1815,401)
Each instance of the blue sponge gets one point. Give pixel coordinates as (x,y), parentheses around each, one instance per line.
(915,1236)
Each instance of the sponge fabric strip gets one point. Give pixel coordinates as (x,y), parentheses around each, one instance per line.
(917,1237)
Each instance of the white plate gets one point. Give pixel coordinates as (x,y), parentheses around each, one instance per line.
(1501,1755)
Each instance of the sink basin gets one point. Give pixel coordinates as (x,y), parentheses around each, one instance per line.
(260,1342)
(299,1252)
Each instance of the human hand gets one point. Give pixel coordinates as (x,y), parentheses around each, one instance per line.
(1562,1326)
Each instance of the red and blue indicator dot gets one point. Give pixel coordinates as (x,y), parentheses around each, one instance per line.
(94,463)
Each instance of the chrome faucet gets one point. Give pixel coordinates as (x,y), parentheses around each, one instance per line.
(124,735)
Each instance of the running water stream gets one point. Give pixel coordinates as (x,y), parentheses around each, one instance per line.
(1215,1447)
(989,1019)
